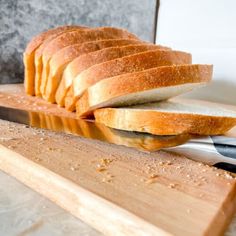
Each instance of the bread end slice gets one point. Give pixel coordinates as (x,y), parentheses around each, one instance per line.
(29,54)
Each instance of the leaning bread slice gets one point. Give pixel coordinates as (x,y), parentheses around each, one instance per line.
(29,54)
(75,37)
(127,64)
(169,118)
(84,62)
(64,56)
(143,87)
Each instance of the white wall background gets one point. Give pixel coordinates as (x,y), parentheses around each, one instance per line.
(207,29)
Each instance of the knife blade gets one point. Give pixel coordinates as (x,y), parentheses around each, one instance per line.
(218,150)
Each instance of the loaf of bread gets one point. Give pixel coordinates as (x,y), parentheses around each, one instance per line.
(112,75)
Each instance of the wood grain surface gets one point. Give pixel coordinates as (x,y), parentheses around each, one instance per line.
(117,190)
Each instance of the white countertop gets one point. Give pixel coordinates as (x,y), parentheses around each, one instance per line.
(23,212)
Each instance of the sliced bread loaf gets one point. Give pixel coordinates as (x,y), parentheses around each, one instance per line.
(143,87)
(64,56)
(127,64)
(75,37)
(29,54)
(84,62)
(169,118)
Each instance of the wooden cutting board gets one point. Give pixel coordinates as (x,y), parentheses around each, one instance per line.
(115,189)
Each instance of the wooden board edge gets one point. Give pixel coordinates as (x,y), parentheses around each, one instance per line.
(224,217)
(97,212)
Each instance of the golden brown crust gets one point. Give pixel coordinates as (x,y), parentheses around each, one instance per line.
(38,60)
(67,54)
(141,81)
(30,53)
(69,100)
(163,123)
(74,37)
(84,62)
(77,65)
(129,64)
(36,41)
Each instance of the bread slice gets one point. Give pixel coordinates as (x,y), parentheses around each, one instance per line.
(127,64)
(29,54)
(38,63)
(169,118)
(84,62)
(143,87)
(64,56)
(75,37)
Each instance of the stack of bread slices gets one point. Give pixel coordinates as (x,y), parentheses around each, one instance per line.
(121,80)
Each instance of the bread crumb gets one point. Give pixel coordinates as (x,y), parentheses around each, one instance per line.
(110,176)
(169,163)
(104,180)
(100,168)
(172,185)
(150,181)
(228,176)
(152,176)
(105,161)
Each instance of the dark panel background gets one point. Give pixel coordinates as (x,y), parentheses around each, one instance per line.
(22,19)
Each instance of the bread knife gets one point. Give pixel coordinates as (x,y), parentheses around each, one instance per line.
(219,151)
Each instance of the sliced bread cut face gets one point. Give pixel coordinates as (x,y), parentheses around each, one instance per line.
(60,60)
(169,118)
(143,87)
(128,64)
(88,60)
(29,54)
(76,37)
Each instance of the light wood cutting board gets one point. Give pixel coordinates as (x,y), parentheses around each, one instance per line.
(117,190)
